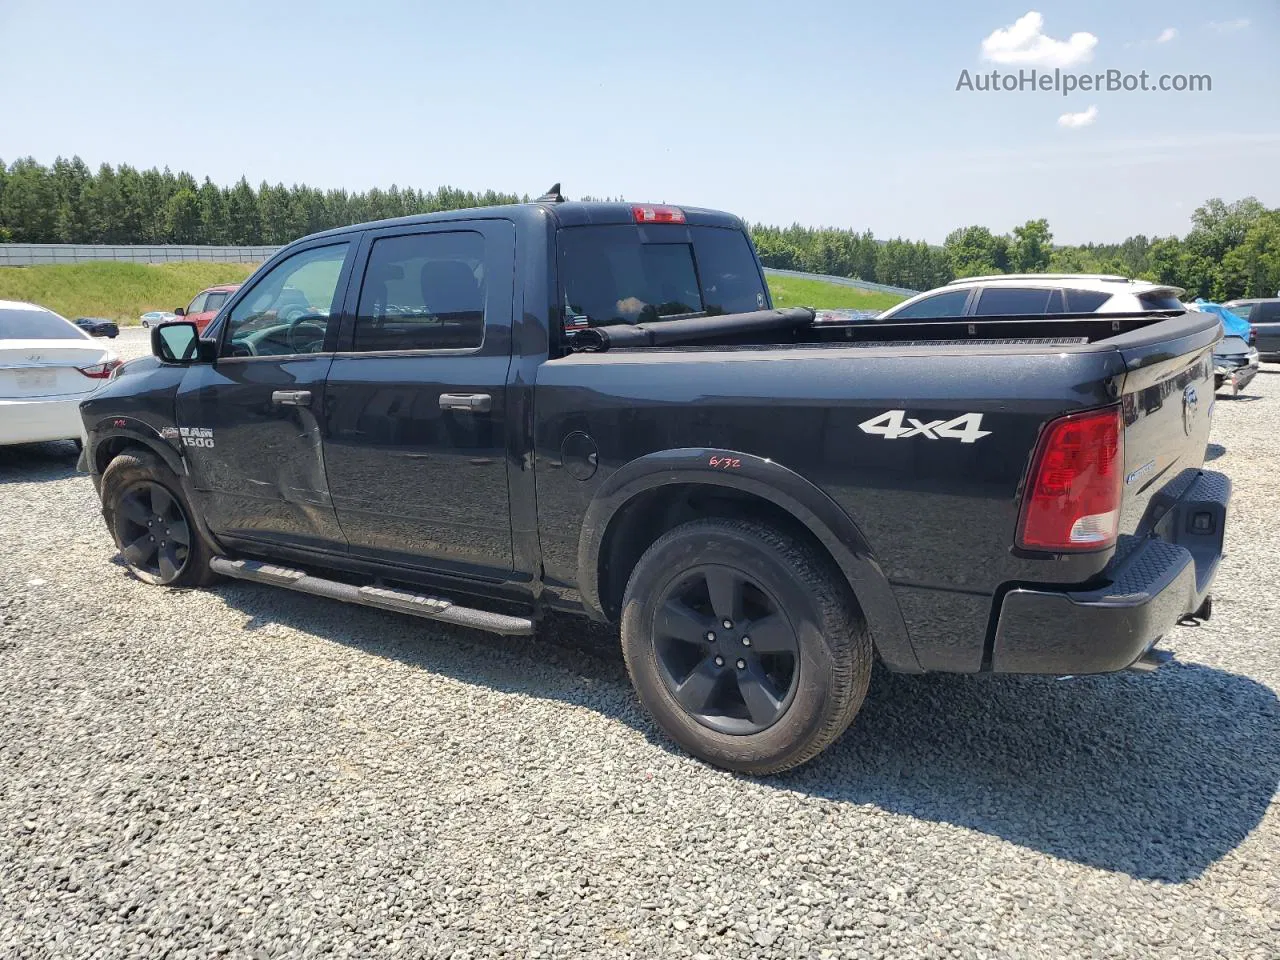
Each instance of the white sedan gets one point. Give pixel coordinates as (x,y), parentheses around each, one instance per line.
(47,366)
(154,318)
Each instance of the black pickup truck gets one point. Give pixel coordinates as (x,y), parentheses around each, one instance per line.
(476,416)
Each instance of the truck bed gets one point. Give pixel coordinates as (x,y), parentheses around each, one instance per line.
(938,514)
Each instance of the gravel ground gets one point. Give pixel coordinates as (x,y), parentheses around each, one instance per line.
(250,772)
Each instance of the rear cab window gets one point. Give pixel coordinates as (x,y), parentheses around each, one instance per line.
(1266,312)
(628,273)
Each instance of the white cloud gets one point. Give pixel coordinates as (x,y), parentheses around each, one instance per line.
(1167,34)
(1025,44)
(1082,119)
(1229,26)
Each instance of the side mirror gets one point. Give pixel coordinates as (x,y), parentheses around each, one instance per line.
(179,342)
(179,311)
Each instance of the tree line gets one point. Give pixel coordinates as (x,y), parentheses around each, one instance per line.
(1232,249)
(69,203)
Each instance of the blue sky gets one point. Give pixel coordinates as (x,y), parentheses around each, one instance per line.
(823,112)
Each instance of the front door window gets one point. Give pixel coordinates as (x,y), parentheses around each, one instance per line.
(291,309)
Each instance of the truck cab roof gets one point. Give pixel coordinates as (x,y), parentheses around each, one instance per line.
(566,213)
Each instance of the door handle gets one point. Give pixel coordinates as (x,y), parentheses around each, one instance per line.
(466,402)
(291,398)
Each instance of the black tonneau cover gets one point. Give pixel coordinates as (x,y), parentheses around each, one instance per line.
(670,332)
(804,325)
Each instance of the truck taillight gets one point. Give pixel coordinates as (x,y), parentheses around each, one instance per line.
(652,214)
(1072,498)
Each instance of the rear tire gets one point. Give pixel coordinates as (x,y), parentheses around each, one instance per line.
(152,522)
(759,704)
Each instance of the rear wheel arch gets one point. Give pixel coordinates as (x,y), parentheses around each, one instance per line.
(649,497)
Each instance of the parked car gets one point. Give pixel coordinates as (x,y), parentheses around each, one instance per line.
(1264,317)
(1014,294)
(1045,294)
(482,415)
(47,366)
(98,327)
(1235,359)
(206,304)
(154,318)
(1235,363)
(1232,323)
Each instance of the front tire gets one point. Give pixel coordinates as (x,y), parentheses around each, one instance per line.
(744,644)
(151,522)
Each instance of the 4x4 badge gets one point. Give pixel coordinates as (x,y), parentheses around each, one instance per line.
(893,425)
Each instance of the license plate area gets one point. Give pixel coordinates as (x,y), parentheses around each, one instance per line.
(34,380)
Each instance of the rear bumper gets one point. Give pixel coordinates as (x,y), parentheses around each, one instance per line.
(1157,577)
(41,419)
(1235,372)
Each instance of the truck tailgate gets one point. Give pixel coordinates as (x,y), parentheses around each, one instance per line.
(1167,399)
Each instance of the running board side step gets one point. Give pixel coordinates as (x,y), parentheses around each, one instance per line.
(398,601)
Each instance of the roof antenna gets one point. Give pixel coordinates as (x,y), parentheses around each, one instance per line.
(551,196)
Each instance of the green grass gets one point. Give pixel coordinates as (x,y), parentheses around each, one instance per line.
(793,292)
(125,291)
(118,291)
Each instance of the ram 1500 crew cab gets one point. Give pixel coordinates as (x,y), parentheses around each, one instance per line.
(478,415)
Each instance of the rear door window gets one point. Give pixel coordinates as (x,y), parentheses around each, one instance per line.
(1013,302)
(938,307)
(214,302)
(423,291)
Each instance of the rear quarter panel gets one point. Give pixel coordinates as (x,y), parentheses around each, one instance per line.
(939,514)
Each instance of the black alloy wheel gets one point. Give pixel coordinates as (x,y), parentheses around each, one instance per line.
(726,650)
(745,644)
(154,532)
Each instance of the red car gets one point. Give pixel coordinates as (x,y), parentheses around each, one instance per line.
(206,304)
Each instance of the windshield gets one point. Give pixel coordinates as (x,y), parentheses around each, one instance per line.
(630,274)
(36,325)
